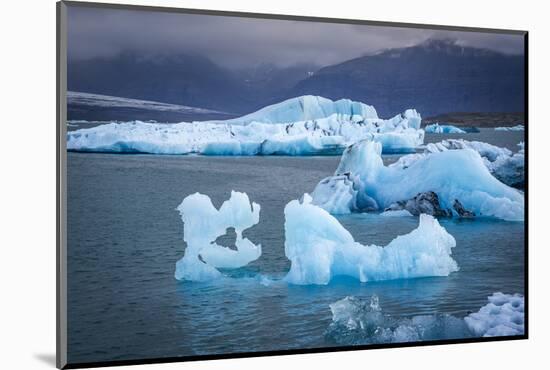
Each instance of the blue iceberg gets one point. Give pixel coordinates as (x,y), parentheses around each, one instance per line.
(436,128)
(307,125)
(320,248)
(203,223)
(459,179)
(362,321)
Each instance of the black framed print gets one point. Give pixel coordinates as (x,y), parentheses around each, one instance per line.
(236,184)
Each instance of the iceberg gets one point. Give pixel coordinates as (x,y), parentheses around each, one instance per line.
(397,213)
(510,169)
(453,175)
(203,223)
(501,162)
(307,108)
(306,125)
(337,195)
(320,248)
(503,315)
(489,151)
(518,127)
(436,128)
(362,321)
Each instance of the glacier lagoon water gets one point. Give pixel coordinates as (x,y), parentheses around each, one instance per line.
(124,237)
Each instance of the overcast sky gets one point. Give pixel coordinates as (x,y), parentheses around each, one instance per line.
(244,42)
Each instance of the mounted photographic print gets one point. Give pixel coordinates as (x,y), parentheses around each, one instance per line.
(235,184)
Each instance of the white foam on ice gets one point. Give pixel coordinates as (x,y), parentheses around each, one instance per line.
(452,174)
(503,315)
(301,126)
(436,128)
(320,248)
(203,223)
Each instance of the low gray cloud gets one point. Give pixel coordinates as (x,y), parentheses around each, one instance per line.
(237,42)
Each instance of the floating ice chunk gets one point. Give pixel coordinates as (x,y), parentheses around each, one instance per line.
(305,108)
(408,119)
(491,152)
(336,195)
(501,162)
(301,126)
(413,118)
(519,127)
(203,223)
(319,248)
(360,321)
(399,213)
(454,175)
(303,145)
(355,313)
(329,135)
(231,147)
(400,141)
(510,169)
(503,315)
(436,128)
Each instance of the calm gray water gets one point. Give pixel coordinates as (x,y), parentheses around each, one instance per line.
(124,238)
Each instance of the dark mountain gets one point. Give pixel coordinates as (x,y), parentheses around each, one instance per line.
(182,79)
(268,83)
(437,76)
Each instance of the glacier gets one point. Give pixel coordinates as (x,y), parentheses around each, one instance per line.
(203,223)
(320,248)
(506,166)
(459,178)
(503,315)
(306,125)
(436,128)
(107,101)
(362,321)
